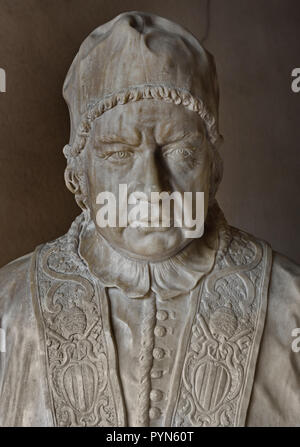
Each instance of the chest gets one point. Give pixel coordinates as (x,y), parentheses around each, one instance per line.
(184,362)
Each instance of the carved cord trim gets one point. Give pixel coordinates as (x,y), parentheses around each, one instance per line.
(137,93)
(146,362)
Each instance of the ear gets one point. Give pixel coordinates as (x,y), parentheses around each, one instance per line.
(72,180)
(76,184)
(218,143)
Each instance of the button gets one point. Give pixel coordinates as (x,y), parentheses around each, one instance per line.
(158,353)
(156,373)
(162,315)
(156,395)
(160,331)
(154,413)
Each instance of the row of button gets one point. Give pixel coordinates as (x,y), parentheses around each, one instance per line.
(158,354)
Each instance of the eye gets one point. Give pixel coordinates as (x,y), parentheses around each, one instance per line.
(178,154)
(118,156)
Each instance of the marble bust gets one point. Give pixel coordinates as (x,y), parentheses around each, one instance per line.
(135,326)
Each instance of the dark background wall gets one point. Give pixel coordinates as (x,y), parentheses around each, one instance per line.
(256,45)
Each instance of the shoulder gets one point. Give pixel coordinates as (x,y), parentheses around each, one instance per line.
(284,292)
(283,274)
(274,399)
(15,282)
(282,266)
(18,265)
(284,271)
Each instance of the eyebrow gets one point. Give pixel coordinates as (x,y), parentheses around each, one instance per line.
(133,140)
(182,136)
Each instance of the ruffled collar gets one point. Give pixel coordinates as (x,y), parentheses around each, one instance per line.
(168,278)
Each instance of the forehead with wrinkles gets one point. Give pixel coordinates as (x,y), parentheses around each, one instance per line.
(152,120)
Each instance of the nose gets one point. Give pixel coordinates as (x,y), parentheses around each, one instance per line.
(153,176)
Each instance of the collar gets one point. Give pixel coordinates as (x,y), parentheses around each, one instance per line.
(168,278)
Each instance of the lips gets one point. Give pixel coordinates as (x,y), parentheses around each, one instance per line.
(154,223)
(148,226)
(153,229)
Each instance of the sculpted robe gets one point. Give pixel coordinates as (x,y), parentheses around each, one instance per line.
(201,339)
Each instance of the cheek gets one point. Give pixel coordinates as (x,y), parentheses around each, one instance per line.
(99,179)
(106,176)
(199,178)
(96,182)
(204,177)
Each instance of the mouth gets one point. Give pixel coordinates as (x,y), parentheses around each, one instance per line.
(147,227)
(153,229)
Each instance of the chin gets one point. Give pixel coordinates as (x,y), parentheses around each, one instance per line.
(153,243)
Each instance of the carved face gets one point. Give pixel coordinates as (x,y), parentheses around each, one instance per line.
(149,146)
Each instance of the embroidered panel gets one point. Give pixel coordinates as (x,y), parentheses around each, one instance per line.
(76,353)
(222,337)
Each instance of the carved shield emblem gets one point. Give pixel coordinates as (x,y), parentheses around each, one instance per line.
(80,386)
(211,385)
